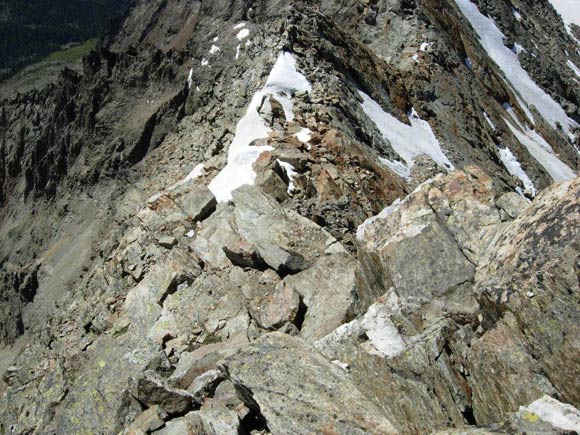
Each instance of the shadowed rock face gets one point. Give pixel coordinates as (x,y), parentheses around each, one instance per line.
(353,285)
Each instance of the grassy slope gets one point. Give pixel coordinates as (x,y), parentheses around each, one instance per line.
(32,29)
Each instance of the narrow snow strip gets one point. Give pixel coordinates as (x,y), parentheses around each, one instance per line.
(195,173)
(489,121)
(237,51)
(558,414)
(290,172)
(382,333)
(190,79)
(572,66)
(542,152)
(360,232)
(515,168)
(239,26)
(282,82)
(492,41)
(243,34)
(399,168)
(517,15)
(408,141)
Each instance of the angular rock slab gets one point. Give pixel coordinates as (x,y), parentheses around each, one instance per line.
(298,391)
(328,290)
(285,240)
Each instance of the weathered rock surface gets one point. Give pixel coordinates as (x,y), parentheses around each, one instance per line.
(298,391)
(132,301)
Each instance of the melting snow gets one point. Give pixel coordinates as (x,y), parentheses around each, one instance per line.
(573,66)
(515,168)
(290,172)
(408,141)
(517,15)
(424,46)
(540,150)
(190,79)
(282,82)
(489,121)
(569,10)
(214,49)
(304,135)
(360,232)
(492,41)
(382,333)
(518,48)
(204,62)
(416,57)
(243,34)
(195,173)
(558,414)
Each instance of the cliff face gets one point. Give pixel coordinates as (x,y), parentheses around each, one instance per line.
(297,217)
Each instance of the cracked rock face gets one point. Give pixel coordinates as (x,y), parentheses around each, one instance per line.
(298,217)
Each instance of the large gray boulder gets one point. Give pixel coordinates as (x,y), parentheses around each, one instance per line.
(298,391)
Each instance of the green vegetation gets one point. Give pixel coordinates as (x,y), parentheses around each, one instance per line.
(32,29)
(74,53)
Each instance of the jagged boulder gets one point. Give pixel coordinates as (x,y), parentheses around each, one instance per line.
(297,391)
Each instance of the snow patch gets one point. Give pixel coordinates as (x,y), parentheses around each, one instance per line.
(243,34)
(424,46)
(517,15)
(541,151)
(569,10)
(515,168)
(239,26)
(360,232)
(558,414)
(195,173)
(492,41)
(304,135)
(340,364)
(282,82)
(204,62)
(408,141)
(237,51)
(383,335)
(214,49)
(290,172)
(518,48)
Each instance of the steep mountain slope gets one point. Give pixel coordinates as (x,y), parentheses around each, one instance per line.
(297,217)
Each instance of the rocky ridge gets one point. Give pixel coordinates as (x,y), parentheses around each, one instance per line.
(286,309)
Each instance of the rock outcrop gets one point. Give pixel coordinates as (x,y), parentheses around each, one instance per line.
(295,217)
